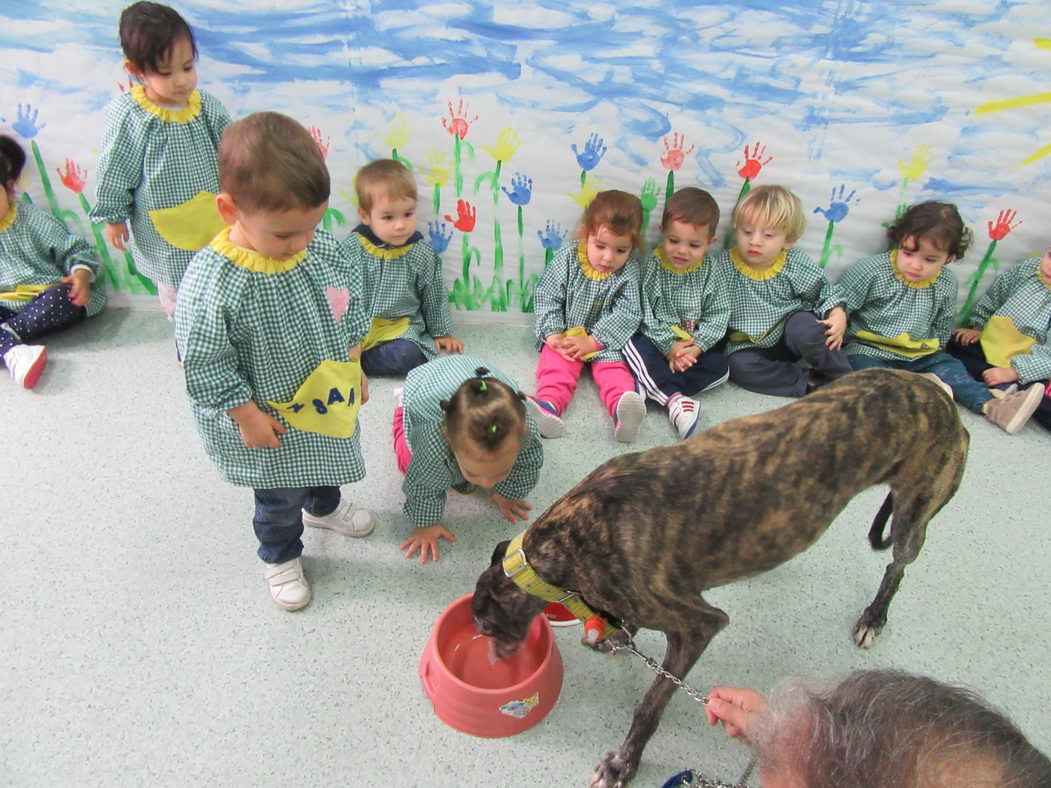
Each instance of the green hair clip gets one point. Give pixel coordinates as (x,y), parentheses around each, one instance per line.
(494,428)
(482,386)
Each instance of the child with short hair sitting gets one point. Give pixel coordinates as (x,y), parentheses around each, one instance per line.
(402,275)
(269,319)
(46,275)
(782,307)
(685,309)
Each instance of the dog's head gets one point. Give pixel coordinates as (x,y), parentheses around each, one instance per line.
(501,609)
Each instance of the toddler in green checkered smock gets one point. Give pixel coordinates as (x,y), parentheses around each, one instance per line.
(269,321)
(158,167)
(459,423)
(404,289)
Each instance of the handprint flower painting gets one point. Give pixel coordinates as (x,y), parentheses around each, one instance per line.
(548,104)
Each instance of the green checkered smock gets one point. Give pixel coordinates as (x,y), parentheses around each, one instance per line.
(571,293)
(253,328)
(404,281)
(36,249)
(761,301)
(434,468)
(1021,294)
(150,161)
(880,301)
(695,299)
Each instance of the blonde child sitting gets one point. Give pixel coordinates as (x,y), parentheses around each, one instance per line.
(268,322)
(402,275)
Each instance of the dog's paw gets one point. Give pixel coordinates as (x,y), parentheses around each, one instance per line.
(613,772)
(866,630)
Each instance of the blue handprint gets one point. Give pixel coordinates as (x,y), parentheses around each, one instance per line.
(552,235)
(26,123)
(439,240)
(838,204)
(521,189)
(594,150)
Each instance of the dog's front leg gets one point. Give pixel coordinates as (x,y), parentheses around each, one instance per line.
(684,649)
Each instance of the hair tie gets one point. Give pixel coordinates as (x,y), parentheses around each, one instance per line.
(494,427)
(482,386)
(481,371)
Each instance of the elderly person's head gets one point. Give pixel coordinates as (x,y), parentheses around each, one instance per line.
(884,729)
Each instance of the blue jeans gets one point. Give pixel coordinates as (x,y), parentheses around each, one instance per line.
(396,357)
(965,389)
(278,520)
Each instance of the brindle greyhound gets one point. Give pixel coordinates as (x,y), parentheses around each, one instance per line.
(645,533)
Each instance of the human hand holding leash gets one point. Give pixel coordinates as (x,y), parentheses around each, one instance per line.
(734,707)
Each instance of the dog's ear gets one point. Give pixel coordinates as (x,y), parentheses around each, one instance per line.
(499,552)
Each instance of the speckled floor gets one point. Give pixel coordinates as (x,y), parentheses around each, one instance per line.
(140,646)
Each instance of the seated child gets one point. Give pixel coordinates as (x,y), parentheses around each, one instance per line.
(782,307)
(158,167)
(45,275)
(587,308)
(458,424)
(901,305)
(1008,339)
(685,309)
(405,293)
(268,322)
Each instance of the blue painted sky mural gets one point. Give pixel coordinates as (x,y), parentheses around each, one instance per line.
(512,114)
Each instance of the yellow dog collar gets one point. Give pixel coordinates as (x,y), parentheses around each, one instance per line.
(517,568)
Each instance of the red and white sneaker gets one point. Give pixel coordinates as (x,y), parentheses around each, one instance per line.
(683,413)
(25,363)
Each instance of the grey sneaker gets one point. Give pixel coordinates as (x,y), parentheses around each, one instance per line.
(631,410)
(1012,411)
(551,426)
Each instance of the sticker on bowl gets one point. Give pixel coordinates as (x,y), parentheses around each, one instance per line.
(519,708)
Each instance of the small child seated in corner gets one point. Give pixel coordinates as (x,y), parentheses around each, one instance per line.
(46,275)
(1007,342)
(405,293)
(782,307)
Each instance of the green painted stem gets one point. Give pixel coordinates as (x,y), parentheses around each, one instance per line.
(826,250)
(457,174)
(521,250)
(394,155)
(729,239)
(972,292)
(44,180)
(669,190)
(437,198)
(583,177)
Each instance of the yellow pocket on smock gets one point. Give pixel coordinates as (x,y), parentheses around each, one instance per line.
(580,331)
(189,226)
(1001,341)
(25,292)
(383,330)
(328,401)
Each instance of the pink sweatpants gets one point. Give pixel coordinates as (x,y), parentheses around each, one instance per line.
(402,452)
(556,380)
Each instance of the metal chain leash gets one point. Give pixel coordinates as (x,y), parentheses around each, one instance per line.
(687,777)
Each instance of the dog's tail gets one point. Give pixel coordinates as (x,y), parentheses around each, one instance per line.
(876,531)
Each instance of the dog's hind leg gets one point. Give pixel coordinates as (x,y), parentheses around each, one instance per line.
(698,622)
(914,506)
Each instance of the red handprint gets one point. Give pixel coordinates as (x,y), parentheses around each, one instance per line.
(457,122)
(321,140)
(465,216)
(74,177)
(674,155)
(752,165)
(1003,225)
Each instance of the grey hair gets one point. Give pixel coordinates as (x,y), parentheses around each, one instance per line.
(884,728)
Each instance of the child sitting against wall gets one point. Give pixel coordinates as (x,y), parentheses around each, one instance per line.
(46,275)
(782,308)
(402,275)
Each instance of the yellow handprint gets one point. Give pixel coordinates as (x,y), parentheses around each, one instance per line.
(506,146)
(921,159)
(588,190)
(438,171)
(398,134)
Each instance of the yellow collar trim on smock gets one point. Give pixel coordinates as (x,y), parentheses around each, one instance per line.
(759,274)
(1042,278)
(517,568)
(253,261)
(7,221)
(184,115)
(585,264)
(920,285)
(668,265)
(384,253)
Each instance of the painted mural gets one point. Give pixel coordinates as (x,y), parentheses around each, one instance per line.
(512,115)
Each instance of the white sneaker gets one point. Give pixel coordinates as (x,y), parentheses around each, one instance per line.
(25,363)
(1013,411)
(347,519)
(399,397)
(549,422)
(288,585)
(935,379)
(683,413)
(631,410)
